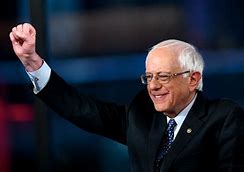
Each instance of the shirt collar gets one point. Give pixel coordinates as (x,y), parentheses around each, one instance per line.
(182,115)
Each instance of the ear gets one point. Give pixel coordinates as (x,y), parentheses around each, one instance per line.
(194,80)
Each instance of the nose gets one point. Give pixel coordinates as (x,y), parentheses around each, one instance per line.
(154,84)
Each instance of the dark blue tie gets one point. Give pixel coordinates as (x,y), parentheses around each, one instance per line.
(167,143)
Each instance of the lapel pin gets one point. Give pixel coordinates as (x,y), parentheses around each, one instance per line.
(189,130)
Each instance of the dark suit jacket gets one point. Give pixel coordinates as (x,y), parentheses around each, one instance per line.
(215,143)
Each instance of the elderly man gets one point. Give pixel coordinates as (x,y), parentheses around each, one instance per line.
(168,127)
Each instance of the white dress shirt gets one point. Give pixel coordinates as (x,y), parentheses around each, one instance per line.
(179,119)
(40,77)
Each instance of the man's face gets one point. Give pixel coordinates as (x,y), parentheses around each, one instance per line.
(173,96)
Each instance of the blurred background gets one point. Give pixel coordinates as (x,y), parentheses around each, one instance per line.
(100,47)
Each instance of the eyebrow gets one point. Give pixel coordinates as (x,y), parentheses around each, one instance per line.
(159,72)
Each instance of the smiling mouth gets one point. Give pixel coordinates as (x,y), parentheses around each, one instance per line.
(159,98)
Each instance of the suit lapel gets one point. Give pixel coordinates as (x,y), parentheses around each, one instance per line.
(188,129)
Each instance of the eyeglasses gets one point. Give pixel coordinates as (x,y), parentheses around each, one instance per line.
(162,77)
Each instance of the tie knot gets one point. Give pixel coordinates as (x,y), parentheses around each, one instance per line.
(172,123)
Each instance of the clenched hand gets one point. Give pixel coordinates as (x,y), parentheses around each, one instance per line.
(23,38)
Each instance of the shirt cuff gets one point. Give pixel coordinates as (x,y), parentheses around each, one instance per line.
(40,77)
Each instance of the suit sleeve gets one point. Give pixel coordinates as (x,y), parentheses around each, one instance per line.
(106,119)
(231,142)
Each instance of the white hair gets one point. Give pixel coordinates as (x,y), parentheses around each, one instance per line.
(188,56)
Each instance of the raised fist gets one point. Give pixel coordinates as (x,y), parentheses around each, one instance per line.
(23,38)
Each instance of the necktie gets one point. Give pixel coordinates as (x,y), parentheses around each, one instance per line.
(168,141)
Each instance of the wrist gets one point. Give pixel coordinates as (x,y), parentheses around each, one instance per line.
(33,63)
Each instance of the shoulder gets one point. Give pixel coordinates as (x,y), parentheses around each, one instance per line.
(224,106)
(224,103)
(142,99)
(141,104)
(214,107)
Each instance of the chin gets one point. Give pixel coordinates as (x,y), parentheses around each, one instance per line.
(159,108)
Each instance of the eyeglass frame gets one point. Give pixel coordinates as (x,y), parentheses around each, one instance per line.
(157,77)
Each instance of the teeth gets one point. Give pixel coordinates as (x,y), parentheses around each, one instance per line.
(158,96)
